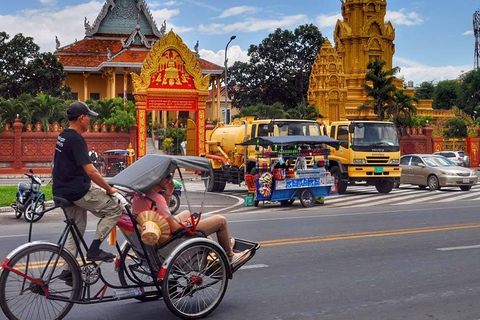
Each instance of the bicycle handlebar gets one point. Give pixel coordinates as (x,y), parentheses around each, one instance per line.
(120,198)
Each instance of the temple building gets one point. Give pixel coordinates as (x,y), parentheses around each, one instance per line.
(115,45)
(338,72)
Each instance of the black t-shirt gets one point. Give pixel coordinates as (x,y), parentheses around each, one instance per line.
(70,181)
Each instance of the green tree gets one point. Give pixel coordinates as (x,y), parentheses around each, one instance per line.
(425,90)
(382,88)
(23,69)
(105,108)
(469,94)
(403,109)
(445,95)
(456,128)
(305,112)
(264,111)
(46,109)
(10,109)
(278,70)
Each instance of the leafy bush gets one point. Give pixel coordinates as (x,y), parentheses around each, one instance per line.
(167,144)
(456,128)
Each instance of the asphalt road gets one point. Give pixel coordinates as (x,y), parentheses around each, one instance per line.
(415,261)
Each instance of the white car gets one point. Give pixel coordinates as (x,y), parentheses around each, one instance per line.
(457,157)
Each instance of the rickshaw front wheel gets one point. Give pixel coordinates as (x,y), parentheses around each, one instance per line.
(195,280)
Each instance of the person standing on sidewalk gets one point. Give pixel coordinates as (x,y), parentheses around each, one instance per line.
(72,173)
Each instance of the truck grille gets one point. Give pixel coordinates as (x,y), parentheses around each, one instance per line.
(377,160)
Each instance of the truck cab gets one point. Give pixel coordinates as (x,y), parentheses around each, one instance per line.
(369,152)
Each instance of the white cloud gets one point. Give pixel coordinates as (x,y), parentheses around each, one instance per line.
(235,11)
(235,53)
(467,33)
(156,4)
(44,24)
(417,72)
(254,25)
(204,5)
(403,18)
(49,2)
(327,21)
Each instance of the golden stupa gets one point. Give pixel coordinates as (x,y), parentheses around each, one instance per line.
(338,72)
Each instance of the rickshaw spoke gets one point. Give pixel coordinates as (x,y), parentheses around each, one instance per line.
(196,280)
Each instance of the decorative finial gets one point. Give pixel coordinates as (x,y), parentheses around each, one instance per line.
(57,43)
(109,54)
(163,28)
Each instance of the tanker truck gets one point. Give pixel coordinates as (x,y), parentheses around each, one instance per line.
(231,161)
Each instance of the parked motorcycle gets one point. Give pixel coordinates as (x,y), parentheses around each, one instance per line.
(30,199)
(174,203)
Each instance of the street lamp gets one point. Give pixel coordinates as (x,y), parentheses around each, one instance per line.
(226,78)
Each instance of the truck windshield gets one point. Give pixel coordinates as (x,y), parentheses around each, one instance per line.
(371,136)
(297,128)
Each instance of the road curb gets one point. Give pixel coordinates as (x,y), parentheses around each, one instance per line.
(9,210)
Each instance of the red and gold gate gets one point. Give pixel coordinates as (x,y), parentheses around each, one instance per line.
(170,80)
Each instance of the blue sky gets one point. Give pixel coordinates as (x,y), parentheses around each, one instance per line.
(434,38)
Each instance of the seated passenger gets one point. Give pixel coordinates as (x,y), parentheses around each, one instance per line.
(214,224)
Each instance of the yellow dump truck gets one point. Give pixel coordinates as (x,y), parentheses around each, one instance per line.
(369,152)
(230,161)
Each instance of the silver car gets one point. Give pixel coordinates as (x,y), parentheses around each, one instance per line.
(435,172)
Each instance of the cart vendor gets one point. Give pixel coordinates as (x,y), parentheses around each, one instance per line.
(214,224)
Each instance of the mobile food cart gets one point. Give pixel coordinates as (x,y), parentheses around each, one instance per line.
(293,168)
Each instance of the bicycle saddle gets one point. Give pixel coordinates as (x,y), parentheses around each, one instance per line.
(62,202)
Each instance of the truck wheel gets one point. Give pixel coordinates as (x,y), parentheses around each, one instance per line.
(209,183)
(218,181)
(341,185)
(384,186)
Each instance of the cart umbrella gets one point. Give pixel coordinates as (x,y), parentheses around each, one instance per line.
(293,140)
(143,174)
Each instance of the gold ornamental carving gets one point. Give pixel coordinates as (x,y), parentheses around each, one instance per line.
(156,62)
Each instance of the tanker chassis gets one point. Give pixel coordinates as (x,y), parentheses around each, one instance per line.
(231,161)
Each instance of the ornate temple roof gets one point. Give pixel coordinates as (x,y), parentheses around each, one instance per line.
(121,36)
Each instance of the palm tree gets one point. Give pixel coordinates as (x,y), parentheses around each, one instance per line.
(382,88)
(305,112)
(402,110)
(10,109)
(46,108)
(105,107)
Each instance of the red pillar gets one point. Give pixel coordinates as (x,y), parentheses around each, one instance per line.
(17,129)
(473,147)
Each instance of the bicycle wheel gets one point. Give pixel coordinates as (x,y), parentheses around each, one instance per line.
(24,299)
(132,271)
(196,280)
(34,206)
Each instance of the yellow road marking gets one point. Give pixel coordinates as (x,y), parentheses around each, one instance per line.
(369,234)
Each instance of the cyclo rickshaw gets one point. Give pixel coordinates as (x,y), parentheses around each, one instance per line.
(188,270)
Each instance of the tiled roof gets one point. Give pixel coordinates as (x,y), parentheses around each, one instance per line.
(91,53)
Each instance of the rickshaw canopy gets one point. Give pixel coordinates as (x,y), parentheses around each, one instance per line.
(292,140)
(143,174)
